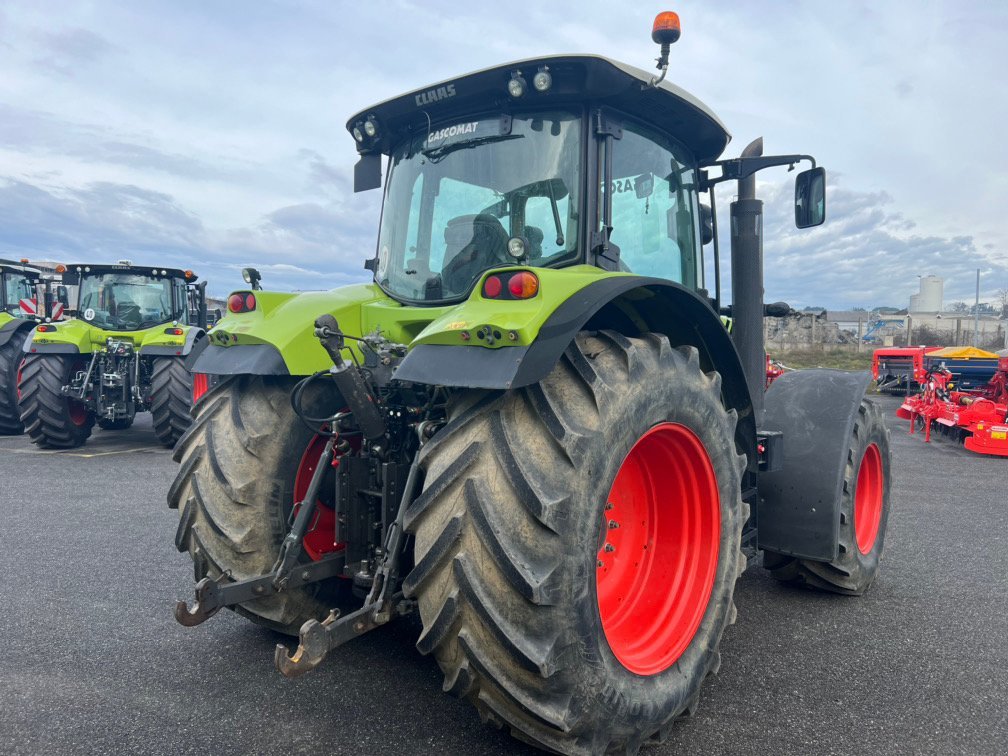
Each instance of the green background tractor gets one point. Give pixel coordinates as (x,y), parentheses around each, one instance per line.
(124,353)
(17,282)
(532,427)
(27,297)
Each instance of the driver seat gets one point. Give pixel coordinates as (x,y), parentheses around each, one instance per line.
(473,243)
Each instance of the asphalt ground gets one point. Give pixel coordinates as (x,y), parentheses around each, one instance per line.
(92,660)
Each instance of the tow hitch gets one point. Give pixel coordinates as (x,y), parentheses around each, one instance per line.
(384,599)
(212,595)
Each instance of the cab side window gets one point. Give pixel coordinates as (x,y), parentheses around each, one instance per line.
(655,207)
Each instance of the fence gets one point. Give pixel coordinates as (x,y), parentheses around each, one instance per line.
(809,331)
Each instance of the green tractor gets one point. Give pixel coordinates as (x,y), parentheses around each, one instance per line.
(124,353)
(27,297)
(532,428)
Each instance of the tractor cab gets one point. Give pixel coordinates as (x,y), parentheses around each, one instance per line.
(124,297)
(18,284)
(548,162)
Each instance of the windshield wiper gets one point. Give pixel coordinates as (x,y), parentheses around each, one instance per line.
(439,153)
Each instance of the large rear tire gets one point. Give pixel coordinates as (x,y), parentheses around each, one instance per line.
(577,545)
(864,513)
(171,398)
(52,420)
(10,358)
(235,488)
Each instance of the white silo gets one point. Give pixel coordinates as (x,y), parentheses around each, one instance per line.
(929,299)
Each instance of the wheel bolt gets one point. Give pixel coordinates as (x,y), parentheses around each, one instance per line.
(600,563)
(609,547)
(608,506)
(613,524)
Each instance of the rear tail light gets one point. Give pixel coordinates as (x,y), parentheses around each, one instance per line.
(520,284)
(45,328)
(492,287)
(242,301)
(523,285)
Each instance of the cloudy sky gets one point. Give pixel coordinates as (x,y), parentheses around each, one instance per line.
(210,134)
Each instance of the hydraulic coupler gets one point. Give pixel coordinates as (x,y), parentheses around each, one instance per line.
(351,384)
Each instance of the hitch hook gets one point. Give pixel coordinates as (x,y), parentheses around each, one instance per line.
(207,603)
(313,646)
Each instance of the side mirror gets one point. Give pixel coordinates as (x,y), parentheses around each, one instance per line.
(252,277)
(367,173)
(810,198)
(706,224)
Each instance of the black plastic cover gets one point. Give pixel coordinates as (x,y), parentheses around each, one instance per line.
(799,512)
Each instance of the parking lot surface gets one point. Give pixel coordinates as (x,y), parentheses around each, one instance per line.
(93,661)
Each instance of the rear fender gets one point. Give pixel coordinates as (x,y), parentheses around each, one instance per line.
(276,338)
(159,343)
(799,509)
(69,337)
(15,328)
(632,305)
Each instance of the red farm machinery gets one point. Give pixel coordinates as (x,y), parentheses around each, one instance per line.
(977,416)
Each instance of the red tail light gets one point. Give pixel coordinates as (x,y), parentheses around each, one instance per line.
(174,331)
(520,284)
(492,287)
(241,301)
(523,285)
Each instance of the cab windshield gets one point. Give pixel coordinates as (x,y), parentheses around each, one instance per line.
(17,286)
(126,302)
(456,194)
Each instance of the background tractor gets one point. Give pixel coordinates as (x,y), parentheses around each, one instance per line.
(123,354)
(532,428)
(27,297)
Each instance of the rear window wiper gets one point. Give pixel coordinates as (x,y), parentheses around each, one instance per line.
(438,153)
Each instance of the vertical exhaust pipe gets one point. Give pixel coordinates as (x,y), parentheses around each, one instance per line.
(747,282)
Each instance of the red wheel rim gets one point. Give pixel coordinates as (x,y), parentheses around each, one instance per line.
(200,384)
(868,495)
(661,534)
(320,539)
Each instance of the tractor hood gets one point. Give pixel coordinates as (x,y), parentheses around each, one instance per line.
(576,79)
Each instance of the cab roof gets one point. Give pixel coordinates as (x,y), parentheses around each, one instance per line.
(576,79)
(20,267)
(76,269)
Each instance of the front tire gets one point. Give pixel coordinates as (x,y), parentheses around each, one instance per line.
(171,399)
(53,421)
(527,591)
(864,513)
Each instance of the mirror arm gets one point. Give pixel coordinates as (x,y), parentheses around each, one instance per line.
(717,253)
(740,168)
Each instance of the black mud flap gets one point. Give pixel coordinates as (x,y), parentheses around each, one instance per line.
(799,512)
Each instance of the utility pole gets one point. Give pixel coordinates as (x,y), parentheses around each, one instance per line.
(976,313)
